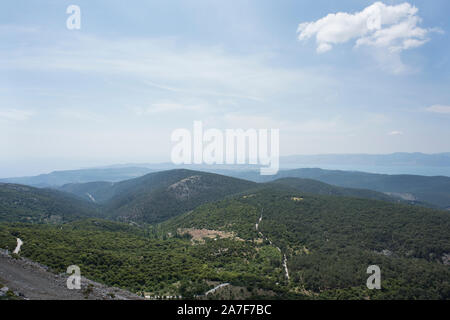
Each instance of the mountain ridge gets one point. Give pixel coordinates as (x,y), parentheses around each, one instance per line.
(29,204)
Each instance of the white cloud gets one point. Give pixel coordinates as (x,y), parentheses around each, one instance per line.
(395,133)
(15,114)
(394,28)
(437,108)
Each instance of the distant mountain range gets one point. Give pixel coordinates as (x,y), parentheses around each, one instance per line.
(59,178)
(394,159)
(152,198)
(119,172)
(100,183)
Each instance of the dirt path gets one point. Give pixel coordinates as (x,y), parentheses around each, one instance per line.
(32,281)
(19,244)
(91,197)
(286,271)
(213,290)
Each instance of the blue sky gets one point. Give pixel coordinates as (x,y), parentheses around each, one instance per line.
(113,91)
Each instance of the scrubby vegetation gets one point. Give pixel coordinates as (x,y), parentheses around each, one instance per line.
(330,242)
(126,258)
(423,189)
(28,204)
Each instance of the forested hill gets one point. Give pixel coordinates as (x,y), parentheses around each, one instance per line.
(266,240)
(98,192)
(320,188)
(330,241)
(161,195)
(158,196)
(59,178)
(28,204)
(433,190)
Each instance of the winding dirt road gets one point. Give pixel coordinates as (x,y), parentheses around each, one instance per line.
(286,271)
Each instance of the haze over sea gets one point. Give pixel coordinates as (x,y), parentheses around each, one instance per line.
(415,170)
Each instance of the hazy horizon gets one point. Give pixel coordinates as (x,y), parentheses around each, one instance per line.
(47,166)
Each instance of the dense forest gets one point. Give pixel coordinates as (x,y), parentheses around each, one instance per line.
(316,187)
(158,196)
(28,204)
(423,189)
(330,241)
(291,239)
(131,258)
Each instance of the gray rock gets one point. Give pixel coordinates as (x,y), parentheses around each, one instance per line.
(446,259)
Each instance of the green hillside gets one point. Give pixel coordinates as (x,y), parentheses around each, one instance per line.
(97,192)
(432,190)
(184,232)
(320,188)
(415,188)
(330,241)
(120,255)
(158,196)
(28,204)
(326,241)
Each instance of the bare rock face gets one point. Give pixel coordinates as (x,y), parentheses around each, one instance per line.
(185,188)
(403,196)
(446,259)
(3,291)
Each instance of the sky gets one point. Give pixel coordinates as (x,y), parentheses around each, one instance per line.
(348,76)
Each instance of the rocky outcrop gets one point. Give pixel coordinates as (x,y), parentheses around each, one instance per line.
(185,188)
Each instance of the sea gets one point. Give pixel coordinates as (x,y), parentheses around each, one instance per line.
(415,170)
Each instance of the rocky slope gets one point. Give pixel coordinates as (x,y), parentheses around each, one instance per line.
(29,280)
